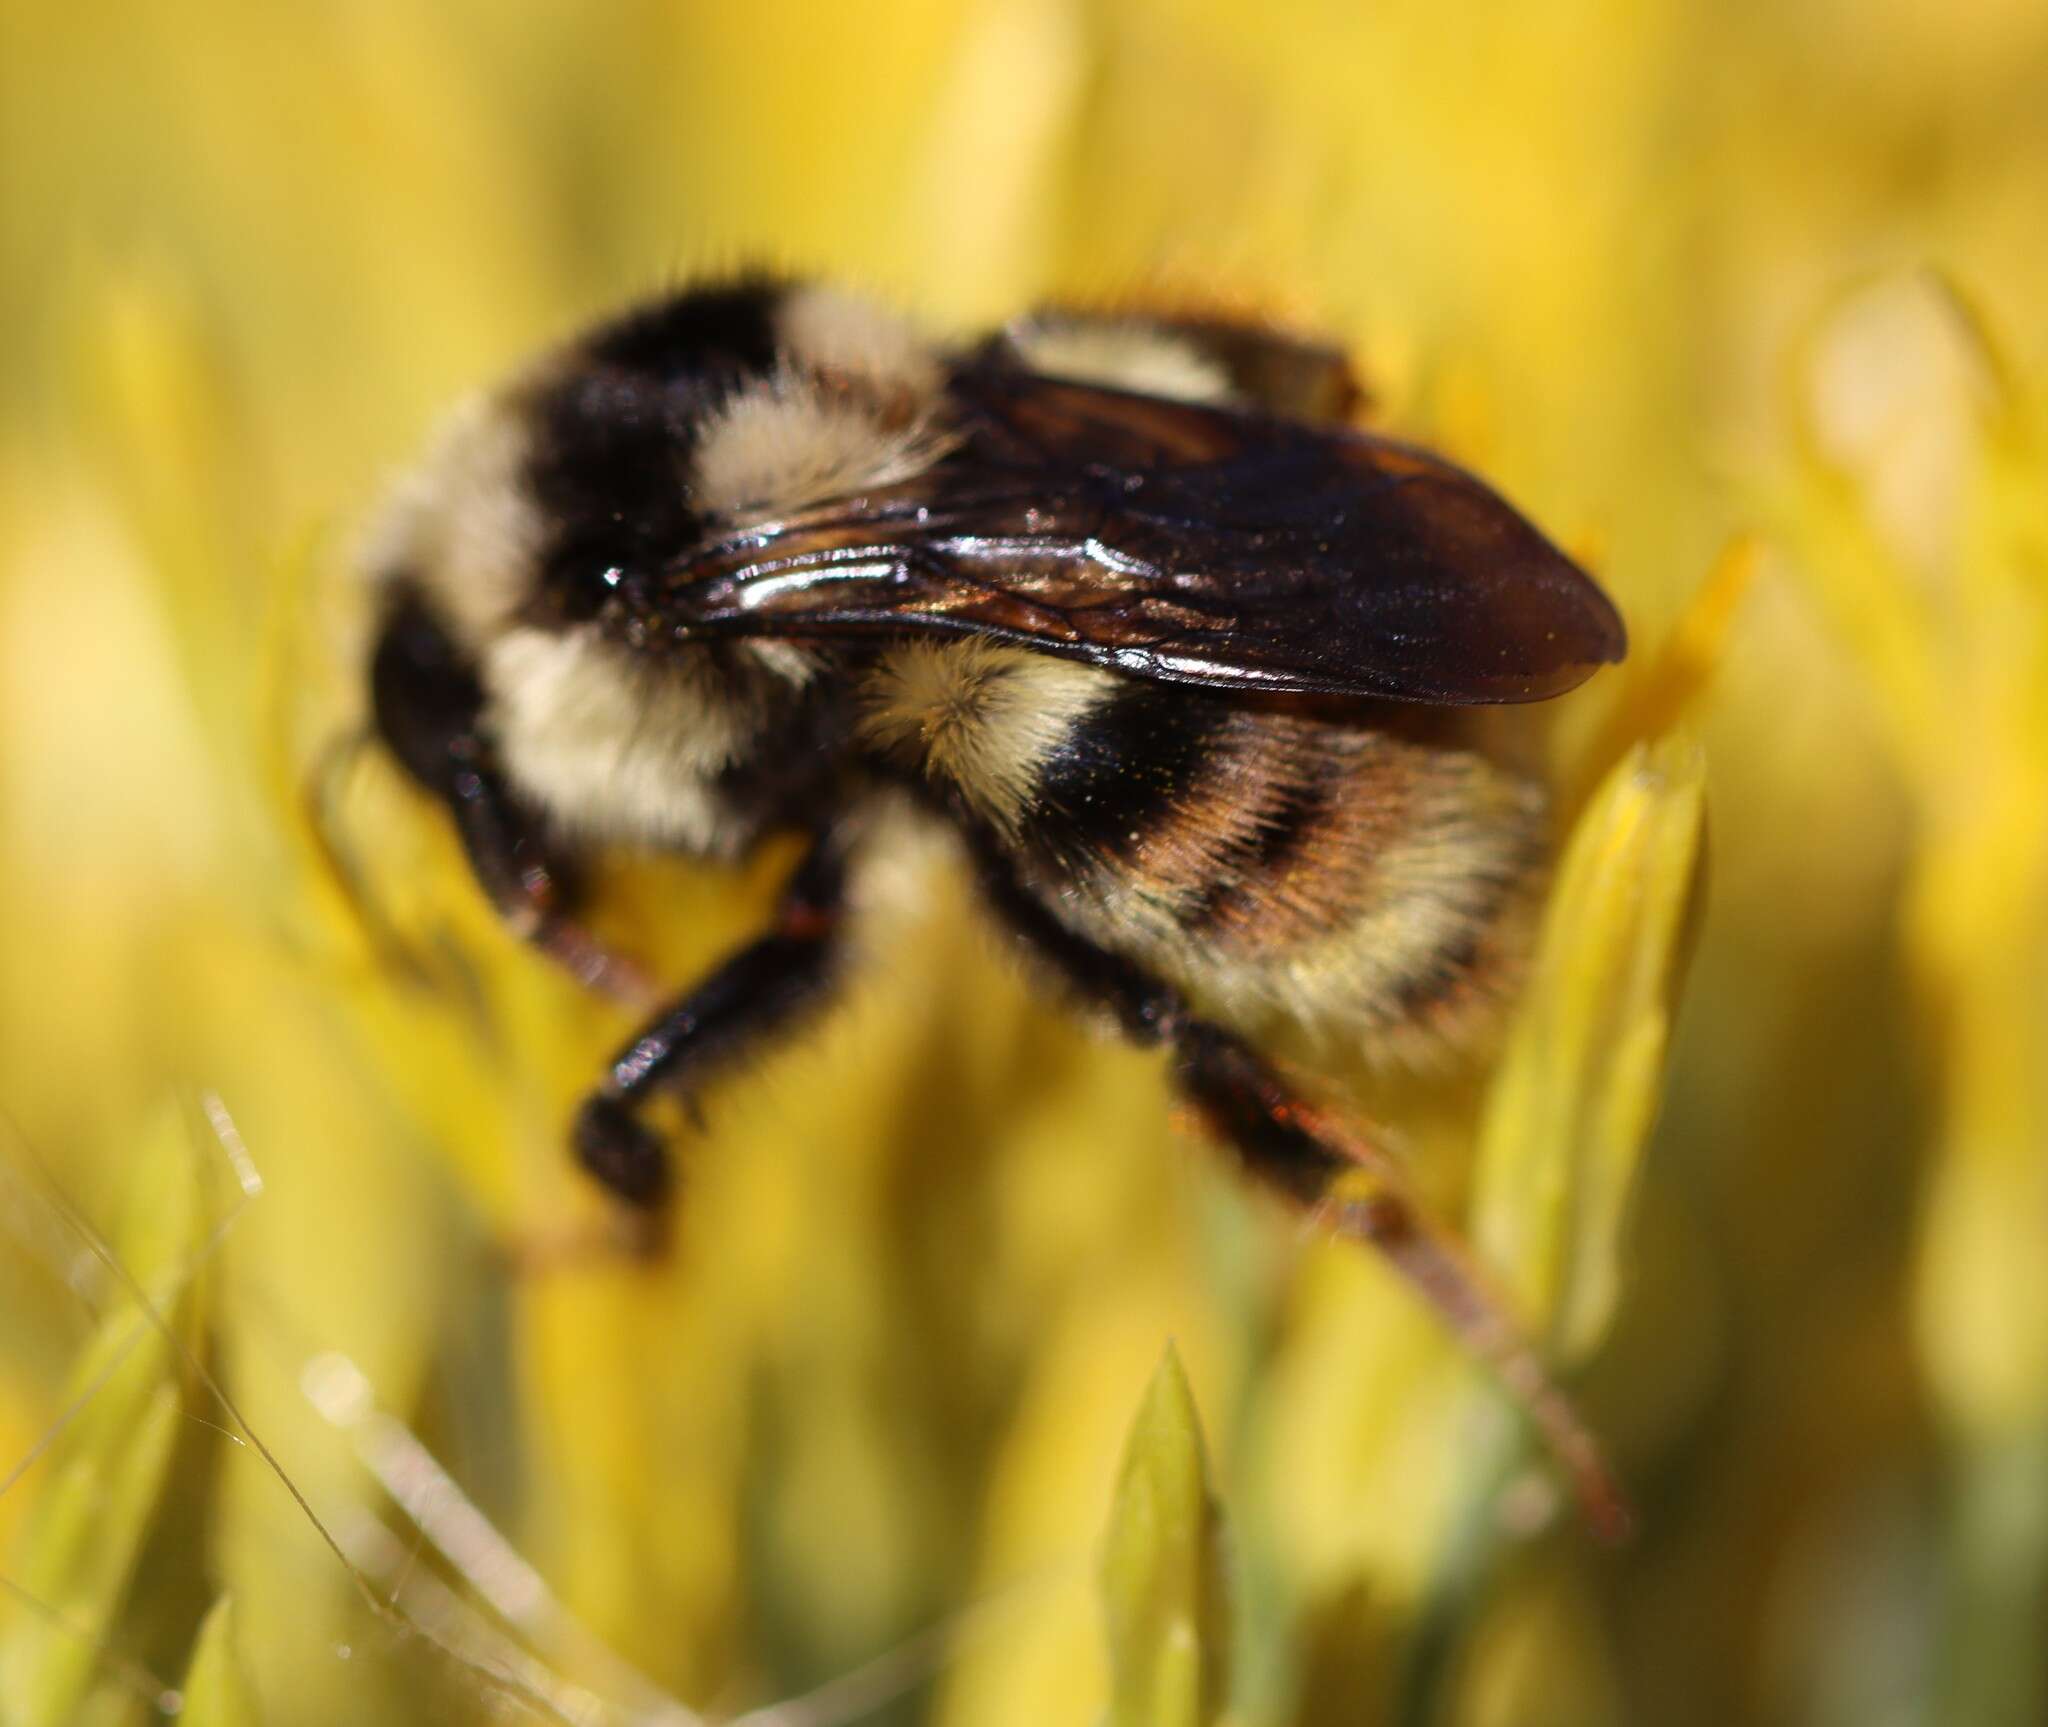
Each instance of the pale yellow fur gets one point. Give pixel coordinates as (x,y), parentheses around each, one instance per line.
(610,744)
(852,340)
(1129,356)
(792,439)
(979,716)
(462,525)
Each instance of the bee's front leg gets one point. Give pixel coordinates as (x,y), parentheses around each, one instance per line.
(757,993)
(1337,1176)
(428,706)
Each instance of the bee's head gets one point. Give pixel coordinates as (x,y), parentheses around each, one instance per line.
(536,501)
(476,545)
(540,505)
(544,509)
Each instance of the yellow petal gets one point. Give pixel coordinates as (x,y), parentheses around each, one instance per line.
(1577,1087)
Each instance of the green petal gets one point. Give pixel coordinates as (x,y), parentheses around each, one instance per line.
(105,1472)
(1162,1569)
(216,1689)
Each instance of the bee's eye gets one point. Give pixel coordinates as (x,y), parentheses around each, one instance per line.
(578,588)
(607,474)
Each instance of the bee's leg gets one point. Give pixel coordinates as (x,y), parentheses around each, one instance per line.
(1355,1190)
(755,994)
(428,703)
(1340,1178)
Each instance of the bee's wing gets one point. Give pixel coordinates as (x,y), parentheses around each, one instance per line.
(1173,541)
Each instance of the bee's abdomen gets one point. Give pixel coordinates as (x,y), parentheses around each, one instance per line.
(1140,764)
(1269,861)
(1318,870)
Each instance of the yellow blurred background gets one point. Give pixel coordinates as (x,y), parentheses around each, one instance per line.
(1746,288)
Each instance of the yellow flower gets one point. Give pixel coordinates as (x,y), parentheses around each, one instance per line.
(863,1431)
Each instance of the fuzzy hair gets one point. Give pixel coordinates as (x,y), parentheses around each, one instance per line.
(979,717)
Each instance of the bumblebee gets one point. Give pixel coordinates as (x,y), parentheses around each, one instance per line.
(1205,679)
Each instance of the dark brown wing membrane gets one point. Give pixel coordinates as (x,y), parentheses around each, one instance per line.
(1173,541)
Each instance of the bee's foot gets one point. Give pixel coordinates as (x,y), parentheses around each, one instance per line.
(587,1244)
(623,1153)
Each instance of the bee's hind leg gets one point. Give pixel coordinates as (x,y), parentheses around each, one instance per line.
(757,993)
(1338,1177)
